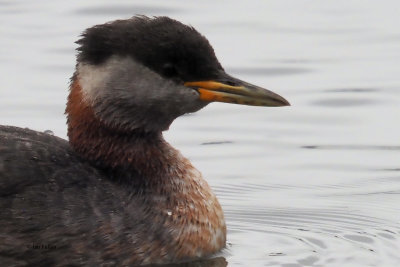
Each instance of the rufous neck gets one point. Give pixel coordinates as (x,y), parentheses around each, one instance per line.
(112,147)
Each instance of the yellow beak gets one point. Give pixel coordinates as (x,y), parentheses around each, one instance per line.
(233,90)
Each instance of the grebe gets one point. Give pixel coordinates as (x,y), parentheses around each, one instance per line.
(117,193)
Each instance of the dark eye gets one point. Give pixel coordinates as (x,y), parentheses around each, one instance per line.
(169,70)
(230,83)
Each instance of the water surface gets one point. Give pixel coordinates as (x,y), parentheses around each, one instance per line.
(315,184)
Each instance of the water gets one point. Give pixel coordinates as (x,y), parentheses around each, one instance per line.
(314,184)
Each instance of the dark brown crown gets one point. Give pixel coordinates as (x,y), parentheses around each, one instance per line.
(164,45)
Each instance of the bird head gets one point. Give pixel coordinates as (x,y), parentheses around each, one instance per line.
(142,73)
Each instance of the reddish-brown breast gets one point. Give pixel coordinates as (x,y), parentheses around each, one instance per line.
(184,204)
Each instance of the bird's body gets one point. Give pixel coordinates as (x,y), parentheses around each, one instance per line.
(117,192)
(76,210)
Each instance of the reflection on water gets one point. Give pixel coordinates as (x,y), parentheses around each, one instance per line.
(315,184)
(214,262)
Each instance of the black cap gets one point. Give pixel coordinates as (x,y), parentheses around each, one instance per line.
(162,44)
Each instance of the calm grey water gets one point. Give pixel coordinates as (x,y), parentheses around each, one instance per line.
(314,184)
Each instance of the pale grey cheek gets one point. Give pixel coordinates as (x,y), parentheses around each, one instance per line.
(121,88)
(191,100)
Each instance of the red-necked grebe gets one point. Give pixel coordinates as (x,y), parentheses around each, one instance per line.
(118,193)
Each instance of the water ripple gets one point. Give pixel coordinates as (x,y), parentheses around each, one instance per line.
(345,102)
(352,90)
(268,71)
(352,147)
(123,10)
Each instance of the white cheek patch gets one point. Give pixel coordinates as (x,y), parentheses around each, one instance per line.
(157,101)
(92,80)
